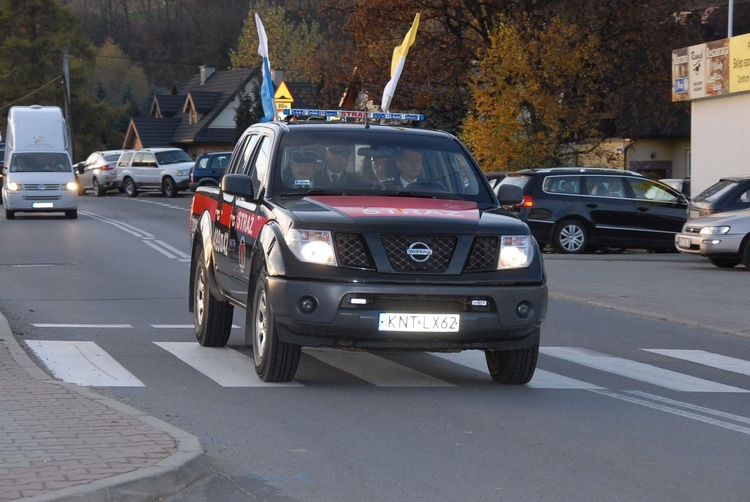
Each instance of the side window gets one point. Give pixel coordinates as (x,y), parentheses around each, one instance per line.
(125,159)
(242,154)
(148,160)
(138,160)
(743,199)
(562,184)
(202,163)
(648,190)
(262,160)
(605,186)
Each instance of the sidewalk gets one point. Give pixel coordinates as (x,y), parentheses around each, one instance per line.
(61,442)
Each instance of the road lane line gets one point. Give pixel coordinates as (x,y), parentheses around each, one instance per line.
(722,414)
(673,411)
(227,367)
(173,249)
(375,369)
(82,363)
(180,326)
(707,359)
(158,248)
(475,360)
(637,371)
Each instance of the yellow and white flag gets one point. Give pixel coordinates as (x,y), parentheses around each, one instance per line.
(397,64)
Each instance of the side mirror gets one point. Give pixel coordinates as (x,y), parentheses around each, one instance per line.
(79,167)
(510,195)
(240,185)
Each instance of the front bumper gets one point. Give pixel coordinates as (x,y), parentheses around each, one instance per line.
(708,245)
(51,201)
(339,322)
(183,184)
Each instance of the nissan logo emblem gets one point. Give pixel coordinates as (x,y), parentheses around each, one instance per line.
(419,252)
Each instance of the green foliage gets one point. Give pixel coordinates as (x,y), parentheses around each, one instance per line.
(290,44)
(122,80)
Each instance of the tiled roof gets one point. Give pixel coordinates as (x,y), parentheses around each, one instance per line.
(204,102)
(305,94)
(169,104)
(155,132)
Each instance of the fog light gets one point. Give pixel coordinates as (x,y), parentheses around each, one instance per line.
(524,309)
(307,304)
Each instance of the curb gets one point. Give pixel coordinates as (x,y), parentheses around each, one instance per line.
(167,477)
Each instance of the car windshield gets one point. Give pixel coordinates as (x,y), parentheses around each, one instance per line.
(172,157)
(40,163)
(376,162)
(715,191)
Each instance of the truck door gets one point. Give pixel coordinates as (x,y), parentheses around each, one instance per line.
(239,219)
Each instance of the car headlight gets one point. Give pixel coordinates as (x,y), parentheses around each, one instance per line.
(516,251)
(715,230)
(13,187)
(311,246)
(181,173)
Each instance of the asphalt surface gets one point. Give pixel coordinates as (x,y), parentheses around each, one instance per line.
(61,442)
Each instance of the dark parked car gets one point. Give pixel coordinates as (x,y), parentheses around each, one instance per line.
(208,169)
(495,177)
(728,194)
(575,209)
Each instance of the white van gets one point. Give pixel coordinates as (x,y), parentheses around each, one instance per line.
(38,172)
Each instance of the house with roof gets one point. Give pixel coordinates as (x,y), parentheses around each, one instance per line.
(199,115)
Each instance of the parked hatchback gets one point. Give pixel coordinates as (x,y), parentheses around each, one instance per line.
(208,169)
(98,172)
(578,209)
(728,194)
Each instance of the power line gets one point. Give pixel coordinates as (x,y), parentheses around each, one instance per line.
(31,93)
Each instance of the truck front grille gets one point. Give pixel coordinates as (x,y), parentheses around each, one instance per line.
(400,250)
(352,251)
(483,255)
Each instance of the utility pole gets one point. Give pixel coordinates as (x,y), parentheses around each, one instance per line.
(730,21)
(68,121)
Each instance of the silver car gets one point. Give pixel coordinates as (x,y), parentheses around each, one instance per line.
(723,238)
(98,172)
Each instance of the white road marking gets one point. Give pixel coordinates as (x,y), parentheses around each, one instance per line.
(375,370)
(150,244)
(707,359)
(637,371)
(98,326)
(180,326)
(475,360)
(709,411)
(173,249)
(674,411)
(82,363)
(227,367)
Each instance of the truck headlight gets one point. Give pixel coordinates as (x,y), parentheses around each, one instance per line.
(13,187)
(311,246)
(516,251)
(72,186)
(715,230)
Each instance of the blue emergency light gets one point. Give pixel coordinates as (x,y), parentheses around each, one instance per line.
(352,114)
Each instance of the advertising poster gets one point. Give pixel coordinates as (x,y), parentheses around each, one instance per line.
(739,70)
(717,67)
(680,83)
(697,70)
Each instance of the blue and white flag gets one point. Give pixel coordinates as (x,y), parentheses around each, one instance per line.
(267,91)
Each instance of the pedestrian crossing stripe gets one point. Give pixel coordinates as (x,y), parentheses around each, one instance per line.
(85,363)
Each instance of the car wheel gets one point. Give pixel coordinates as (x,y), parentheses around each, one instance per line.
(99,191)
(169,188)
(724,262)
(570,237)
(513,367)
(72,214)
(129,186)
(275,361)
(212,317)
(745,252)
(10,215)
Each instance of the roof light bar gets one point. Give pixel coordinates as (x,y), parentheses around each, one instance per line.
(352,114)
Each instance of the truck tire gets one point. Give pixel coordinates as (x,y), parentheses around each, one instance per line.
(72,214)
(513,367)
(10,215)
(275,361)
(212,318)
(169,187)
(129,186)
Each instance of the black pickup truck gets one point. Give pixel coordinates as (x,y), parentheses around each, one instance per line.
(364,236)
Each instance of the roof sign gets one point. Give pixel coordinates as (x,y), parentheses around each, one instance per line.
(353,114)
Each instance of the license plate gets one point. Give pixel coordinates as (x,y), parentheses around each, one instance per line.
(42,205)
(683,242)
(419,322)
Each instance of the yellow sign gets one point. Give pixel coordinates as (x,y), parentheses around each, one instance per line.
(739,67)
(283,96)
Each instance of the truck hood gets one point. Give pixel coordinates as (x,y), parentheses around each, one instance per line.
(41,178)
(379,213)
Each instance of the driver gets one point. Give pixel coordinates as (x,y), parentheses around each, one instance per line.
(409,164)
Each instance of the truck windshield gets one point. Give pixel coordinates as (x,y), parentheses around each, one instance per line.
(376,162)
(40,163)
